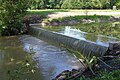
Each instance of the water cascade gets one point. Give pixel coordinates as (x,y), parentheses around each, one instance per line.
(76,40)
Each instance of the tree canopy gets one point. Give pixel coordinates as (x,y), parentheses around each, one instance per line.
(11,13)
(74,4)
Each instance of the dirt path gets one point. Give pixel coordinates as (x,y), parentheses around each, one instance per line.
(65,14)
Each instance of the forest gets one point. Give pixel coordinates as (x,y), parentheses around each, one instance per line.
(75,4)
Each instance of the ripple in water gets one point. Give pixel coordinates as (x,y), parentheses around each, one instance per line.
(50,59)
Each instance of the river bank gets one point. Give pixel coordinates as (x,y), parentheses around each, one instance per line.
(71,74)
(74,20)
(86,19)
(69,20)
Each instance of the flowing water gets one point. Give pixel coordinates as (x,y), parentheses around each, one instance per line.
(106,28)
(100,33)
(51,60)
(98,39)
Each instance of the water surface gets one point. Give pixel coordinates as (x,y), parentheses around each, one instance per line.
(100,33)
(111,29)
(50,59)
(11,54)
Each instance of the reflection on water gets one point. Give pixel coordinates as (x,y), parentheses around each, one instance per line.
(100,33)
(11,53)
(99,39)
(1,55)
(51,60)
(106,28)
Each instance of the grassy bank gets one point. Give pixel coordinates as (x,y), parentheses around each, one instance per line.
(92,10)
(115,75)
(42,15)
(49,11)
(91,17)
(73,20)
(45,12)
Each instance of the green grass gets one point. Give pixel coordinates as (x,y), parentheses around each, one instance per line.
(79,18)
(93,17)
(93,10)
(115,75)
(45,12)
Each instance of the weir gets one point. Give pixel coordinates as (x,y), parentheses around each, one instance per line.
(87,47)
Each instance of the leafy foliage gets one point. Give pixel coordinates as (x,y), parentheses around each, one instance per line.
(45,4)
(70,4)
(118,5)
(74,4)
(115,75)
(12,12)
(87,4)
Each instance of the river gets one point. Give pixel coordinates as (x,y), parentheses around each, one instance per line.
(50,59)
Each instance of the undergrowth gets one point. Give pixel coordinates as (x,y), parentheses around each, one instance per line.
(79,18)
(115,75)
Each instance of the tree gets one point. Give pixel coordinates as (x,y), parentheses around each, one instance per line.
(118,5)
(96,4)
(55,4)
(37,4)
(72,4)
(11,13)
(66,4)
(46,4)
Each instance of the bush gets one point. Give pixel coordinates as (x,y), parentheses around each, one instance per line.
(118,5)
(115,75)
(11,13)
(66,4)
(72,4)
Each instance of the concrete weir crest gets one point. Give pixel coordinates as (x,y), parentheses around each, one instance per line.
(86,47)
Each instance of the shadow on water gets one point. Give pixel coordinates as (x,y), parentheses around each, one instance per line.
(11,55)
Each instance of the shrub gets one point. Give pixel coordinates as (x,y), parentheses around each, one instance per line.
(11,13)
(72,4)
(118,5)
(115,75)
